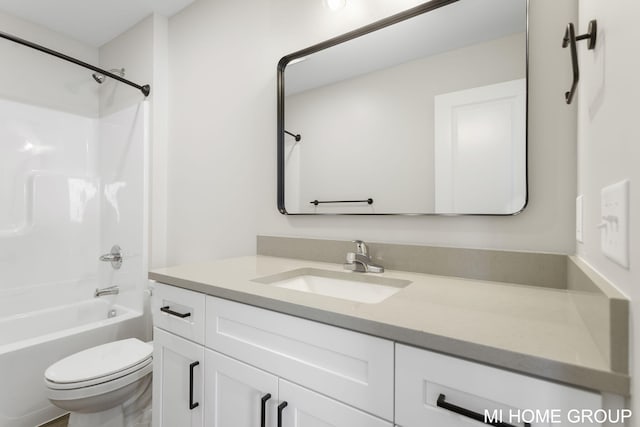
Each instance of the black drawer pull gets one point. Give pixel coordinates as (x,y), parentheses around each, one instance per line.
(168,310)
(280,409)
(192,404)
(470,414)
(263,408)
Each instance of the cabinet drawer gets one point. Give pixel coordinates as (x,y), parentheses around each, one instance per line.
(179,311)
(351,367)
(422,376)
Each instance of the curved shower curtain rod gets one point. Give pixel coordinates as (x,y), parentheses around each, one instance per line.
(145,89)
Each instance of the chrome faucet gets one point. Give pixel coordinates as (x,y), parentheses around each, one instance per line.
(114,257)
(360,260)
(111,290)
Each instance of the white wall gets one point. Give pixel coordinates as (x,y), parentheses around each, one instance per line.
(222,92)
(33,77)
(159,148)
(391,110)
(133,51)
(609,145)
(222,163)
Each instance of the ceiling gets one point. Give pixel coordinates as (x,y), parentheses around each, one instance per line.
(93,22)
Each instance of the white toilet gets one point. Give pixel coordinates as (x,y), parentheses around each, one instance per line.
(104,386)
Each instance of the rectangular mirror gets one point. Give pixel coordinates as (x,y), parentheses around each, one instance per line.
(424,112)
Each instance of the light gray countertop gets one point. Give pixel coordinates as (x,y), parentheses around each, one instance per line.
(527,329)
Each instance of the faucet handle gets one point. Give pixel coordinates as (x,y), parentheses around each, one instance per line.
(114,257)
(361,247)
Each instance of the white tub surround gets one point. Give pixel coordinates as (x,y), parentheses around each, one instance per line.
(124,169)
(532,330)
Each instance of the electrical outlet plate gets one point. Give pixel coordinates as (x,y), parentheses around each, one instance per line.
(614,226)
(579,236)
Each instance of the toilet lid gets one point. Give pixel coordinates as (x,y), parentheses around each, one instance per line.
(98,362)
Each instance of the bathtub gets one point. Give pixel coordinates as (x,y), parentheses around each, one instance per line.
(32,341)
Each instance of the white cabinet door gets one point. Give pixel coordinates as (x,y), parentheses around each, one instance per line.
(178,371)
(236,393)
(305,408)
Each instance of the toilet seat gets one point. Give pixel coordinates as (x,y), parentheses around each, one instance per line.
(103,388)
(99,362)
(94,381)
(99,369)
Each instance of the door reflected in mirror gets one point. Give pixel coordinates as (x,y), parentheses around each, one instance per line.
(422,113)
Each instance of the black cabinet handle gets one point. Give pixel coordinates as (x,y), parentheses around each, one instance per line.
(470,414)
(263,408)
(192,404)
(280,409)
(168,310)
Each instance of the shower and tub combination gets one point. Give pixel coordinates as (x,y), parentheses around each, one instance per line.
(73,186)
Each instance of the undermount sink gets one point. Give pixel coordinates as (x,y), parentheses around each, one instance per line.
(348,286)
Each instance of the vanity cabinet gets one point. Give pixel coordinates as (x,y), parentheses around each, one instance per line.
(229,364)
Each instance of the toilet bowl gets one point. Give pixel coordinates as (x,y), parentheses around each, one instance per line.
(108,385)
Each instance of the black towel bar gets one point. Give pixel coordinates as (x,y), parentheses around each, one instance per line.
(318,202)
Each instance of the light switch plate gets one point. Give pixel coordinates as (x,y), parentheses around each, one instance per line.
(614,226)
(579,219)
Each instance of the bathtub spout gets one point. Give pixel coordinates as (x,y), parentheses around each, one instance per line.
(111,290)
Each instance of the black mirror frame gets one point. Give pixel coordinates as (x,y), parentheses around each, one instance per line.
(394,19)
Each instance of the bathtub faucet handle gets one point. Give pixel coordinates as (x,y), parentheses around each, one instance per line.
(114,257)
